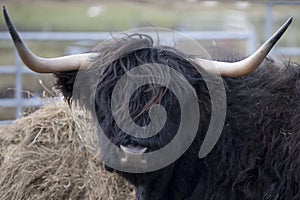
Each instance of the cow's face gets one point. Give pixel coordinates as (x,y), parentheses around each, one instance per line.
(139,100)
(140,105)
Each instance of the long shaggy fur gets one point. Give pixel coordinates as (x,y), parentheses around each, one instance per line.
(257,156)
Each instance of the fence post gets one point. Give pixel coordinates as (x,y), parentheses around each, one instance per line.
(268,20)
(18,84)
(251,41)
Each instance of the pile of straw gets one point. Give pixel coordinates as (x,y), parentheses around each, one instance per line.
(42,156)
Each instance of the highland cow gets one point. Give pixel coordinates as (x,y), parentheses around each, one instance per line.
(257,155)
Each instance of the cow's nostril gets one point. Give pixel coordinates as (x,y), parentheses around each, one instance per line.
(133,156)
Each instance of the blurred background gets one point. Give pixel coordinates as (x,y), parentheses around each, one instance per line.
(60,27)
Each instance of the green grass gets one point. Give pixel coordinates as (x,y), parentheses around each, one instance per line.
(73,16)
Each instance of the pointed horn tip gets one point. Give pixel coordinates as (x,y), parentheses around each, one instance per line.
(5,14)
(4,9)
(289,21)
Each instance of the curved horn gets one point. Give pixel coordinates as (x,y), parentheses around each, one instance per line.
(246,66)
(45,65)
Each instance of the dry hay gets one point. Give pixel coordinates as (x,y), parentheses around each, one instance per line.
(42,156)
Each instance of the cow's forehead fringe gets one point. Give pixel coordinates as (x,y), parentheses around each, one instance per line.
(124,44)
(121,46)
(138,48)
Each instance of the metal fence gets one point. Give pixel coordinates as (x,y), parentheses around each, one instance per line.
(19,70)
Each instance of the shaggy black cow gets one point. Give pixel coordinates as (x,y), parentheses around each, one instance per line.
(258,153)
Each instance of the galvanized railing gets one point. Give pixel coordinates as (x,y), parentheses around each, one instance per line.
(19,70)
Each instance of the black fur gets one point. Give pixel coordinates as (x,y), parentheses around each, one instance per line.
(258,154)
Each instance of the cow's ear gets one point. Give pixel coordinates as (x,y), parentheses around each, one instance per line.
(65,82)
